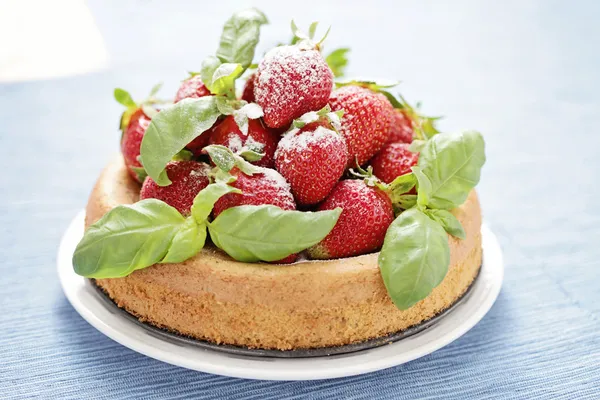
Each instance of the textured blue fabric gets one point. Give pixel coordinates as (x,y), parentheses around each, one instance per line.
(524,73)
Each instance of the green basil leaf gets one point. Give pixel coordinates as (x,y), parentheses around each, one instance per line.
(140,172)
(123,97)
(448,221)
(171,130)
(417,145)
(155,90)
(207,197)
(337,61)
(221,156)
(251,155)
(223,79)
(240,37)
(424,186)
(268,233)
(452,163)
(183,155)
(414,258)
(127,238)
(188,242)
(227,106)
(209,66)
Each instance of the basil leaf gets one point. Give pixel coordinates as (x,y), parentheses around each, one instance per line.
(221,156)
(452,163)
(417,145)
(140,173)
(240,37)
(188,242)
(424,186)
(127,238)
(223,79)
(171,130)
(268,233)
(448,221)
(209,66)
(207,197)
(414,258)
(337,61)
(123,97)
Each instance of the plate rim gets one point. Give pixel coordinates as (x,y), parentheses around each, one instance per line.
(244,368)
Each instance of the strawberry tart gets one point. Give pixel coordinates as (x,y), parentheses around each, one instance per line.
(309,211)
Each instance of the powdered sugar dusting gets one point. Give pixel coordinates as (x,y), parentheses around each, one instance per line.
(291,81)
(320,137)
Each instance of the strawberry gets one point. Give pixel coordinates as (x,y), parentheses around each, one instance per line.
(191,88)
(312,159)
(259,139)
(361,227)
(264,187)
(248,93)
(366,121)
(401,128)
(132,140)
(187,177)
(290,81)
(288,260)
(393,160)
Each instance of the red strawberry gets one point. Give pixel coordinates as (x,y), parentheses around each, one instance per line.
(288,260)
(312,160)
(187,177)
(290,81)
(191,88)
(393,160)
(366,121)
(248,93)
(259,138)
(401,128)
(367,213)
(132,140)
(265,187)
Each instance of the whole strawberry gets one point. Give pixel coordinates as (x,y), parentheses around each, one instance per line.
(131,140)
(291,81)
(248,93)
(191,88)
(366,121)
(393,160)
(312,159)
(259,139)
(187,177)
(367,213)
(264,187)
(401,128)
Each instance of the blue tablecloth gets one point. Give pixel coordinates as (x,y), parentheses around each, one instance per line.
(524,73)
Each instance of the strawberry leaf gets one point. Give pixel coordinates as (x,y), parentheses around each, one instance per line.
(248,111)
(206,199)
(375,85)
(123,97)
(209,66)
(337,61)
(223,79)
(225,159)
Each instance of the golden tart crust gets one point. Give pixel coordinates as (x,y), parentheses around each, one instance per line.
(309,304)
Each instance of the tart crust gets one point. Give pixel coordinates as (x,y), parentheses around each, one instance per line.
(308,304)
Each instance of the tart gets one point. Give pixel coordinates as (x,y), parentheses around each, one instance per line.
(309,304)
(300,216)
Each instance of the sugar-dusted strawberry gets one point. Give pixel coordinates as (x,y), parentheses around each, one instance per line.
(366,121)
(187,177)
(291,81)
(248,93)
(401,128)
(132,140)
(264,187)
(259,139)
(393,160)
(288,260)
(312,159)
(191,88)
(367,213)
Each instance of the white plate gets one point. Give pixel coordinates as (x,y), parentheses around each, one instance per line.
(86,300)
